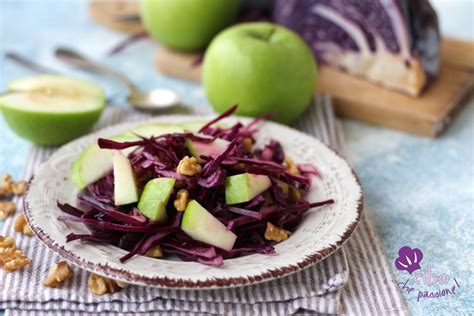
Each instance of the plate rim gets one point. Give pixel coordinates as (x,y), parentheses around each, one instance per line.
(182,284)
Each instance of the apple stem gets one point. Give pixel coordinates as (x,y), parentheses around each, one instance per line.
(270,34)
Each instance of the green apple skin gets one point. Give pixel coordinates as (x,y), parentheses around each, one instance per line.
(125,185)
(55,127)
(49,129)
(187,24)
(203,226)
(154,198)
(244,187)
(262,67)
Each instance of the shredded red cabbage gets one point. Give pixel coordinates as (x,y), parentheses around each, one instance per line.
(154,157)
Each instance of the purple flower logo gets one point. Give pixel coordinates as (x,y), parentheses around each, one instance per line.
(409,259)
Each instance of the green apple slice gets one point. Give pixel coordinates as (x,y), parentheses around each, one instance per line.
(150,130)
(244,187)
(95,162)
(212,149)
(125,185)
(51,110)
(203,226)
(155,196)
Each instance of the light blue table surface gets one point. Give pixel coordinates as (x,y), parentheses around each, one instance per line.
(419,192)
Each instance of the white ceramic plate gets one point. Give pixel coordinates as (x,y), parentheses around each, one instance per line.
(321,232)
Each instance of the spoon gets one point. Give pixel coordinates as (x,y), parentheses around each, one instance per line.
(157,99)
(30,64)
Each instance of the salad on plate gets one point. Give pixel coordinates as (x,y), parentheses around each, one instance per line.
(203,194)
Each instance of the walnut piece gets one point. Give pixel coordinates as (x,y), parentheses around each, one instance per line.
(294,194)
(58,273)
(7,242)
(248,144)
(154,252)
(189,166)
(121,284)
(8,187)
(16,263)
(181,200)
(11,258)
(19,188)
(291,166)
(21,225)
(8,253)
(7,209)
(6,180)
(276,233)
(100,285)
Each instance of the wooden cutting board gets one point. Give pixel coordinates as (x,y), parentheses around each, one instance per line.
(427,115)
(118,15)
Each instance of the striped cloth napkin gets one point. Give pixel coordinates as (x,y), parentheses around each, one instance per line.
(325,288)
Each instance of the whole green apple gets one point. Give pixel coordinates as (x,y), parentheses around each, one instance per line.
(187,24)
(261,66)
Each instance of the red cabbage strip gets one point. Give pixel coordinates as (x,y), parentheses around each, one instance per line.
(247,250)
(86,237)
(225,114)
(205,252)
(125,218)
(112,213)
(257,201)
(69,209)
(167,153)
(148,241)
(216,261)
(255,161)
(296,208)
(215,179)
(135,249)
(245,212)
(119,227)
(271,210)
(212,165)
(239,221)
(151,241)
(170,174)
(298,181)
(307,168)
(152,160)
(246,130)
(111,144)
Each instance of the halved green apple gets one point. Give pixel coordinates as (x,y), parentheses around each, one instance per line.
(51,110)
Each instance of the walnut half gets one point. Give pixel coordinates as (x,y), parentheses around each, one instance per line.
(276,233)
(58,273)
(100,285)
(11,259)
(189,166)
(291,166)
(7,209)
(21,226)
(181,200)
